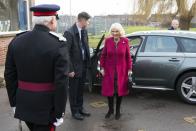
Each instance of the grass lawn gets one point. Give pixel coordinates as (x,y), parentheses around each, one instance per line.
(93,40)
(193,29)
(131,29)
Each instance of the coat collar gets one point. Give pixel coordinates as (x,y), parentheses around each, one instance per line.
(75,28)
(41,28)
(122,40)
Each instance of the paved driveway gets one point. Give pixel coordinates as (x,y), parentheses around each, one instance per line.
(142,111)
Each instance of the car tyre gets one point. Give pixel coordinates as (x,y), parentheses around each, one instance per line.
(186,87)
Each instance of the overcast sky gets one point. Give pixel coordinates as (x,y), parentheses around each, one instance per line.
(93,7)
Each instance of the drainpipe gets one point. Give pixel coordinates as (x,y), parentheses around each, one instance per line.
(28,14)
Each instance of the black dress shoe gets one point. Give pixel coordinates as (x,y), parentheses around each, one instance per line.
(84,113)
(117,116)
(108,115)
(78,116)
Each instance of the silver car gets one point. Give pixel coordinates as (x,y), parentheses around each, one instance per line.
(165,60)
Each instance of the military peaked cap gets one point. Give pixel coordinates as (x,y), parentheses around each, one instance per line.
(45,10)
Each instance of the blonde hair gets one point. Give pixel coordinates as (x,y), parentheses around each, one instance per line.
(119,27)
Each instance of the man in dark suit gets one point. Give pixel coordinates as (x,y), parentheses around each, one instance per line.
(77,38)
(36,72)
(174,25)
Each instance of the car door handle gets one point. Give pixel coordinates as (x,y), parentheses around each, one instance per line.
(174,60)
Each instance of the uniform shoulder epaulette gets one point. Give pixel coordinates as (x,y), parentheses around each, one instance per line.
(21,33)
(60,37)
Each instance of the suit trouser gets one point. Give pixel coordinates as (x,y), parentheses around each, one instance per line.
(36,127)
(76,86)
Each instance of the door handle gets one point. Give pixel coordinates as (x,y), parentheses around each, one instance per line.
(174,59)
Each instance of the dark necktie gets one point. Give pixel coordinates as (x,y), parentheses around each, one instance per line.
(83,42)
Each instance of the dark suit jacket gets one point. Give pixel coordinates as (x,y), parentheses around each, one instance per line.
(76,61)
(171,28)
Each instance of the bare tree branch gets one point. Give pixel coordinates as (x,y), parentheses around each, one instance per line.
(193,9)
(160,7)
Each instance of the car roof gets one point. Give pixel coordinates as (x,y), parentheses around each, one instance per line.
(176,33)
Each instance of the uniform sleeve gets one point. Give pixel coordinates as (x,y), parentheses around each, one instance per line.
(128,56)
(10,75)
(69,38)
(103,55)
(61,69)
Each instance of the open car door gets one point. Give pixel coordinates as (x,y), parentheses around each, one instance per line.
(93,74)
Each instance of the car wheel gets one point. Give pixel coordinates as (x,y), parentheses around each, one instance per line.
(186,87)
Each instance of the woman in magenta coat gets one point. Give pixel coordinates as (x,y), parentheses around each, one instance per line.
(116,64)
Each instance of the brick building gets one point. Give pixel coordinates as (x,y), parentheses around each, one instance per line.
(5,39)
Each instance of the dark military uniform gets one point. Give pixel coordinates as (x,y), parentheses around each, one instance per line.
(36,75)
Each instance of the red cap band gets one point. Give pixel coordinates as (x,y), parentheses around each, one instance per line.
(49,13)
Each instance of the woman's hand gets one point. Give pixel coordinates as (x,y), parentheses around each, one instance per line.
(102,72)
(71,74)
(130,72)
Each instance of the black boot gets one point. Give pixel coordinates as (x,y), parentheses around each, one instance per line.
(111,107)
(118,103)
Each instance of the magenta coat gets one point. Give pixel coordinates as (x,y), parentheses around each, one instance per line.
(123,62)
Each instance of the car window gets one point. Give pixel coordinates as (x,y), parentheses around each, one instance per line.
(161,44)
(134,41)
(189,45)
